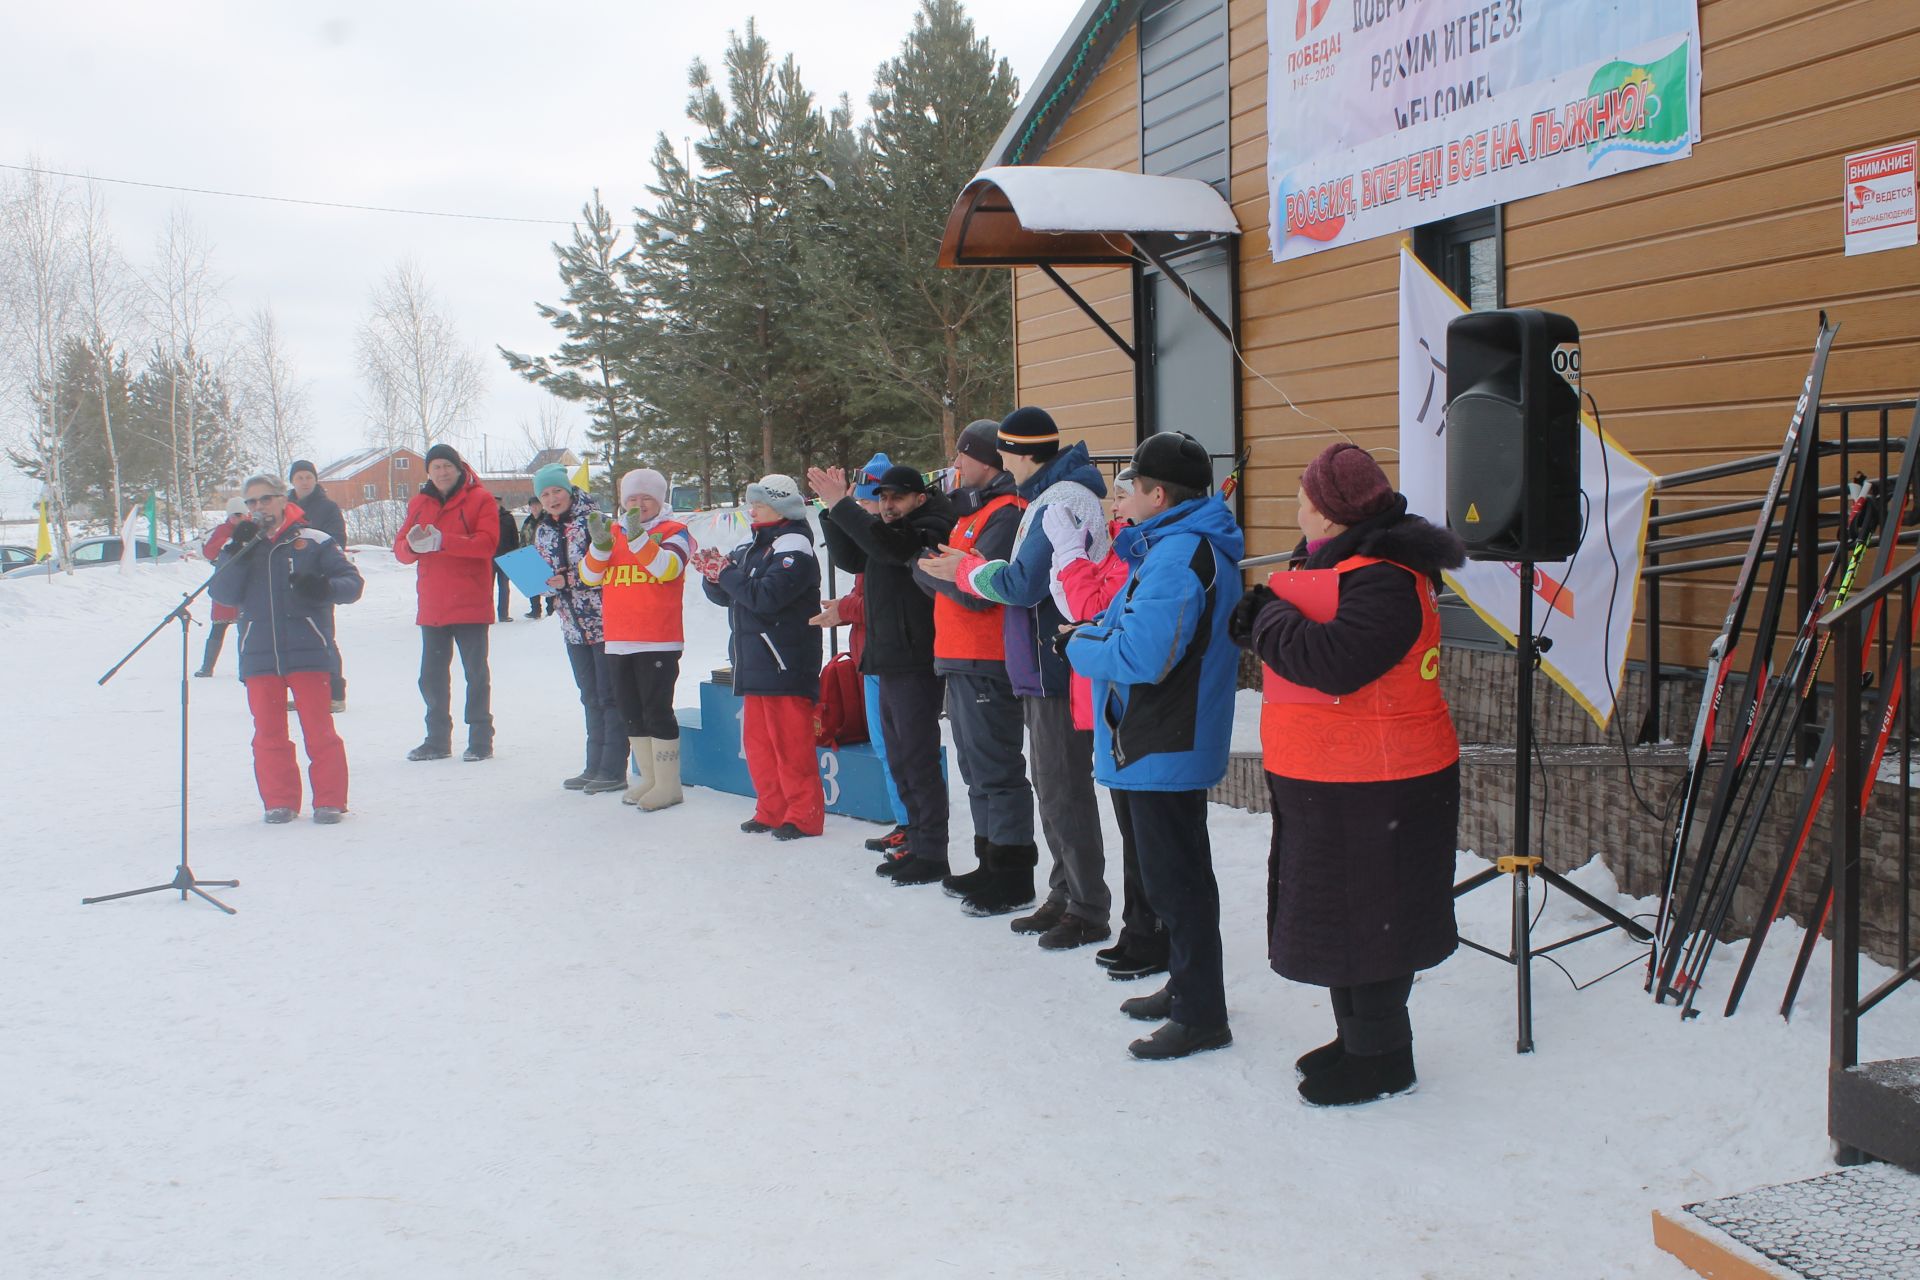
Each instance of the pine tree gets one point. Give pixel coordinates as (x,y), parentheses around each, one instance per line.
(927,345)
(593,366)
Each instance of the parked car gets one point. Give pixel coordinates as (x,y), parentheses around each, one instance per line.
(13,557)
(91,553)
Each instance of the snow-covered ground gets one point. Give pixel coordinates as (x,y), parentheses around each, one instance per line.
(489,1028)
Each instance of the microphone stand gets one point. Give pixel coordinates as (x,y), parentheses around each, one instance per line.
(184,881)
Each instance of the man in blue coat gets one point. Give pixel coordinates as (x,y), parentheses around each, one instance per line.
(285,576)
(1162,668)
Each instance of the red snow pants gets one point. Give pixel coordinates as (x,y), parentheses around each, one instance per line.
(782,762)
(275,768)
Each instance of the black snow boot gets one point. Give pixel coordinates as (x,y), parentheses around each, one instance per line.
(430,751)
(964,884)
(1314,1061)
(1042,920)
(1178,1040)
(892,842)
(1073,932)
(753,826)
(1136,964)
(1157,1007)
(1356,1078)
(1011,885)
(918,870)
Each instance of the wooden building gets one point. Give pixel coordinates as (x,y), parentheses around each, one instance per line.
(1695,283)
(373,475)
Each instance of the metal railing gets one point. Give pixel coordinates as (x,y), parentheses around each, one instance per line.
(1860,746)
(1853,433)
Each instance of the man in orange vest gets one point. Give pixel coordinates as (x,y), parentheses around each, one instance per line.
(970,650)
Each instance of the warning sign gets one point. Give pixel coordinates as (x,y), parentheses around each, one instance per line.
(1881,211)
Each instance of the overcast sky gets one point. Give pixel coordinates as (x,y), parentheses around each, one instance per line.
(477,107)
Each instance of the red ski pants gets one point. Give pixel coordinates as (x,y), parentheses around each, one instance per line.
(275,768)
(782,762)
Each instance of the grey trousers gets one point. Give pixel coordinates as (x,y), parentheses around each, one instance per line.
(989,742)
(1069,809)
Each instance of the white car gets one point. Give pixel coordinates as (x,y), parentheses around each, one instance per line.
(91,553)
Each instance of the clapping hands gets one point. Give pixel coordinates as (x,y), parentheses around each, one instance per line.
(829,484)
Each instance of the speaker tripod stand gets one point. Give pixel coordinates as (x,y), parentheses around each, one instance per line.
(1523,864)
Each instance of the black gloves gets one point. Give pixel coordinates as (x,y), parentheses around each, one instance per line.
(241,532)
(311,586)
(1240,623)
(1060,638)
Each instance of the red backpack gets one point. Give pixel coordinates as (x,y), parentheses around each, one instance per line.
(840,716)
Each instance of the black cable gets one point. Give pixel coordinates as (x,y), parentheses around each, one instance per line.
(319,204)
(1606,642)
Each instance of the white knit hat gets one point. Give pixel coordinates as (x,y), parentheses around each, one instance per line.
(646,481)
(780,493)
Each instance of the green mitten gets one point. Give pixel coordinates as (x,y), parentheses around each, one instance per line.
(633,524)
(600,531)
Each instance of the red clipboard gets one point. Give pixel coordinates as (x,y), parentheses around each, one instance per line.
(1315,593)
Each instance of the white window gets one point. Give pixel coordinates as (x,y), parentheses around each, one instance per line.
(402,464)
(366,493)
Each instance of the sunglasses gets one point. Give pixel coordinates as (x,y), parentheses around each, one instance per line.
(261,502)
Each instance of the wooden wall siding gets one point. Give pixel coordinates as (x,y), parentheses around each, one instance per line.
(1695,284)
(1063,363)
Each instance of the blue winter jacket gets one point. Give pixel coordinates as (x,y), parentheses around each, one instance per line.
(771,587)
(283,630)
(1024,583)
(1160,660)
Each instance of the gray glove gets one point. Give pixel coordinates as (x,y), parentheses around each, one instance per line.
(424,538)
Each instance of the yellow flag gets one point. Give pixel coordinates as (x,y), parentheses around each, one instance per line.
(582,479)
(43,549)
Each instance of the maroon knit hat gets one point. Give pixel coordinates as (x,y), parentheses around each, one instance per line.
(1346,485)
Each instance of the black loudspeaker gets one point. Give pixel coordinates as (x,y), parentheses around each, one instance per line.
(1513,434)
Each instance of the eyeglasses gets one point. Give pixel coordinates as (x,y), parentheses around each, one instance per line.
(261,502)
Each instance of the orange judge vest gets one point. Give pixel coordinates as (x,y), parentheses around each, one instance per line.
(1396,727)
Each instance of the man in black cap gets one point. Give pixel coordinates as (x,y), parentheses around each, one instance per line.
(970,650)
(323,513)
(912,521)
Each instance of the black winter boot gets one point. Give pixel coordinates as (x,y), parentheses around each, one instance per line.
(963,885)
(1157,1007)
(1010,887)
(895,839)
(1134,964)
(918,870)
(1073,932)
(1042,920)
(1314,1061)
(1356,1078)
(430,751)
(1178,1040)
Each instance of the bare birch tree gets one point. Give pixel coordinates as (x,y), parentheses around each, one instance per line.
(547,429)
(187,320)
(275,400)
(38,313)
(107,310)
(422,381)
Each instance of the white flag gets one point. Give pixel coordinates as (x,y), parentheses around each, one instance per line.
(1584,606)
(127,541)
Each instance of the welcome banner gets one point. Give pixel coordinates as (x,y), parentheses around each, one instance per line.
(1386,114)
(1584,606)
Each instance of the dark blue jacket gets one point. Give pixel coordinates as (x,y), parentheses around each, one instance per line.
(283,630)
(771,588)
(1160,659)
(322,512)
(563,545)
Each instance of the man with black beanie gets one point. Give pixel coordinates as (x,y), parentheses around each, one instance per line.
(322,513)
(970,650)
(913,520)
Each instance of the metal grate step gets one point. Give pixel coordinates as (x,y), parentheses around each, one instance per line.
(1854,1224)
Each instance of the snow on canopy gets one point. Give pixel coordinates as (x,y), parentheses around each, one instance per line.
(1033,214)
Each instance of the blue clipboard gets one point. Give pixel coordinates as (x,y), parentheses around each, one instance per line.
(528,570)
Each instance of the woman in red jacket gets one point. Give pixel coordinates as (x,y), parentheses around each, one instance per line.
(451,532)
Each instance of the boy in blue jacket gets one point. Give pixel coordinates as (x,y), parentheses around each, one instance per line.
(1162,668)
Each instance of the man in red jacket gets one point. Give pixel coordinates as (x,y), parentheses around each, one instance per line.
(451,531)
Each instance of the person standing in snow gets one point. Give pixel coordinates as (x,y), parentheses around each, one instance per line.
(560,535)
(1078,903)
(970,650)
(1162,669)
(640,567)
(1084,588)
(528,524)
(913,521)
(324,514)
(509,541)
(770,587)
(1365,778)
(224,615)
(850,611)
(284,591)
(451,530)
